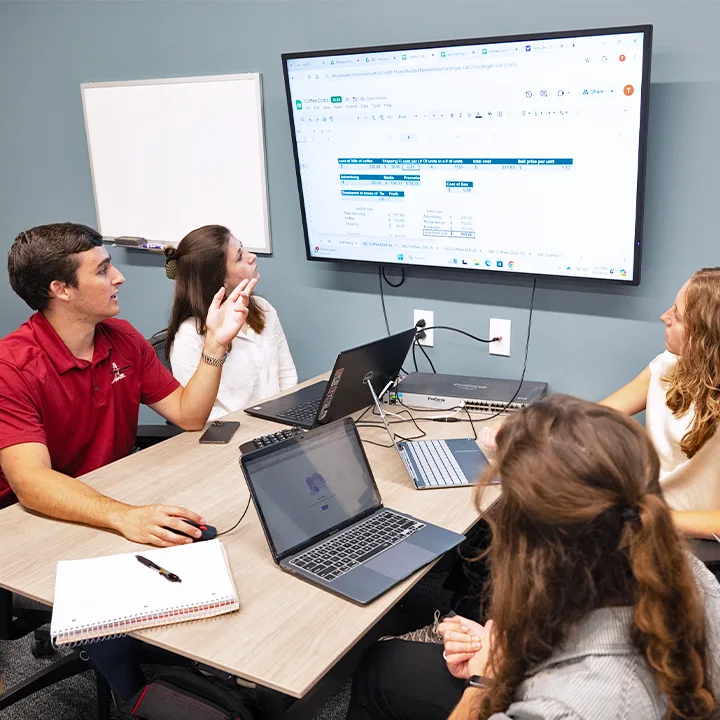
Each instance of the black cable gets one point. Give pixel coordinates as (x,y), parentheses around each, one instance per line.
(424,352)
(416,342)
(381,277)
(421,333)
(438,419)
(372,442)
(395,285)
(472,424)
(522,376)
(360,423)
(527,347)
(410,418)
(364,413)
(382,298)
(225,532)
(462,332)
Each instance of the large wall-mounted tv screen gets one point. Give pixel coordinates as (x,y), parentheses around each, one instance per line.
(521,154)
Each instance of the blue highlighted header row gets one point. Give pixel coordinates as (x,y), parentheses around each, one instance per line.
(373,193)
(458,184)
(404,178)
(455,161)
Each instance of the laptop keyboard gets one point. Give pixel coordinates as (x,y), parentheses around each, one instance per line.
(346,550)
(437,464)
(304,413)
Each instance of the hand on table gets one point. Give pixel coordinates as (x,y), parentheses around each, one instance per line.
(146,524)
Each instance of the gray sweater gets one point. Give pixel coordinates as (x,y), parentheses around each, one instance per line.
(598,675)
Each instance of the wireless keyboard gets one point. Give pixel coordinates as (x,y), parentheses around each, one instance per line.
(267,440)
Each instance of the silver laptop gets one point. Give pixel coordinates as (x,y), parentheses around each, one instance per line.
(434,464)
(324,519)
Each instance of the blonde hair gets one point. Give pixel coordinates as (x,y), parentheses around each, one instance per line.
(695,380)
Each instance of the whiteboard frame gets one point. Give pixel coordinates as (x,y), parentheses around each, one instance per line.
(266,248)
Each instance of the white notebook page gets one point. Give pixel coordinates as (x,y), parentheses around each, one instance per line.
(116,590)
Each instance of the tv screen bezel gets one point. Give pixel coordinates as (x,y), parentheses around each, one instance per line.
(647,31)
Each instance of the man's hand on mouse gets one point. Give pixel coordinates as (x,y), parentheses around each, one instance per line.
(147,524)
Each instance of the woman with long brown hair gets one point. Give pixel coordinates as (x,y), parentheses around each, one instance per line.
(680,391)
(258,362)
(598,611)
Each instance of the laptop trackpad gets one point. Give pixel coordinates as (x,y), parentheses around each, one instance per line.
(400,561)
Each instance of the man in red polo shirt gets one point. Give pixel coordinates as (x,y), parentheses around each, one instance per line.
(72,380)
(71,383)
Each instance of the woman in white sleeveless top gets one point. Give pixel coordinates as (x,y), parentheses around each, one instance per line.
(680,391)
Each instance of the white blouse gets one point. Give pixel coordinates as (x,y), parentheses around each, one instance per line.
(258,365)
(688,483)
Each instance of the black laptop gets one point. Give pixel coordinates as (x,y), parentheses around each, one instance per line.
(324,519)
(345,393)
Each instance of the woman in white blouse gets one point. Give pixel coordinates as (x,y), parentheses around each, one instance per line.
(258,363)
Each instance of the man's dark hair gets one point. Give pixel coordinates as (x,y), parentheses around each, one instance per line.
(46,253)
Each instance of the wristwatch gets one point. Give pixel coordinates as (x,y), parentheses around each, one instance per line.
(477,681)
(215,362)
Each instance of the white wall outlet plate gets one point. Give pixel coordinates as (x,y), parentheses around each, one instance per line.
(501,329)
(429,317)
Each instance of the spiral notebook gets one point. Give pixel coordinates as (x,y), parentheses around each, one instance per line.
(107,596)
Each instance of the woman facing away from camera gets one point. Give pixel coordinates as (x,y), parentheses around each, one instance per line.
(598,611)
(258,363)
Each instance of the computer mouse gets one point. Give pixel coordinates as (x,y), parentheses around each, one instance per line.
(208,531)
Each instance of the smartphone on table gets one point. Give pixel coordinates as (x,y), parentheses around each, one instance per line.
(219,432)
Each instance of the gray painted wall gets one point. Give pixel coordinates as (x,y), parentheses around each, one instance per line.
(585,340)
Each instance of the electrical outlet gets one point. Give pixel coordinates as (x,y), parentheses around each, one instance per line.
(429,317)
(501,329)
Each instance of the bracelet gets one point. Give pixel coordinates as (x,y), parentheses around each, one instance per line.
(477,681)
(215,362)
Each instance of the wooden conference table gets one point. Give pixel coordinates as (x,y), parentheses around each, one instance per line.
(288,634)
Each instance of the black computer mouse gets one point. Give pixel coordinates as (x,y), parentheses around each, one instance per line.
(208,531)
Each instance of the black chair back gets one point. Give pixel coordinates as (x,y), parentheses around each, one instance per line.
(158,344)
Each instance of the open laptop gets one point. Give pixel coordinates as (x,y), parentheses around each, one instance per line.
(437,463)
(324,519)
(344,393)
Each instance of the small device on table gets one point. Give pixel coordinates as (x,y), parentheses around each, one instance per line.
(219,432)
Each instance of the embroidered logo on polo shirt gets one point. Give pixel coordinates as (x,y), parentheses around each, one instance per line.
(118,373)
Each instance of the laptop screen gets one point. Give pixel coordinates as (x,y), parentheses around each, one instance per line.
(305,487)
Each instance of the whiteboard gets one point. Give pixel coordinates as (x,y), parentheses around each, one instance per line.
(168,156)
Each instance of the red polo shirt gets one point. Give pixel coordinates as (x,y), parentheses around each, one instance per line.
(86,413)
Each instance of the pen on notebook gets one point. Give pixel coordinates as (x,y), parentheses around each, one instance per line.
(172,577)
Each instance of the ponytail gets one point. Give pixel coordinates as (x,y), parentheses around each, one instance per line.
(668,611)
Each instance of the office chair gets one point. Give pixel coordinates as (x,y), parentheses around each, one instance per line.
(16,621)
(148,435)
